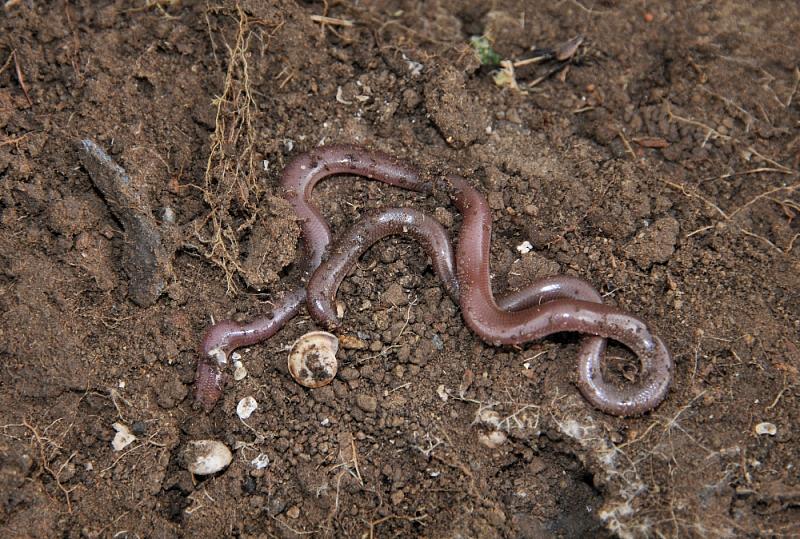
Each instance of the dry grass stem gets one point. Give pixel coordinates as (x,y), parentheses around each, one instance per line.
(231,187)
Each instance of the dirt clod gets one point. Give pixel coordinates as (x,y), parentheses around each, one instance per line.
(655,244)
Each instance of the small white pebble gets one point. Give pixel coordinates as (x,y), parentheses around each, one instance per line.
(121,384)
(325,422)
(260,462)
(236,356)
(435,474)
(123,438)
(442,392)
(525,247)
(766,428)
(265,163)
(246,407)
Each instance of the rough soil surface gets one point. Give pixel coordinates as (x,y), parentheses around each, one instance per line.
(660,162)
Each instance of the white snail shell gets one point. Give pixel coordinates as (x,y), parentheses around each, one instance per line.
(206,457)
(312,359)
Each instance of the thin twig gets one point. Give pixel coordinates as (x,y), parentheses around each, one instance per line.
(21,79)
(330,20)
(627,144)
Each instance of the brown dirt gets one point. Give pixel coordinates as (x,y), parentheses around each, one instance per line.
(662,166)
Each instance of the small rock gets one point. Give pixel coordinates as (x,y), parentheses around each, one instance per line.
(275,506)
(293,512)
(766,428)
(249,486)
(399,371)
(350,342)
(123,438)
(246,407)
(368,403)
(205,457)
(442,392)
(525,247)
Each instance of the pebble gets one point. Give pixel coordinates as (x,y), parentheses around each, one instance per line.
(293,512)
(205,457)
(399,371)
(368,403)
(249,487)
(246,407)
(350,342)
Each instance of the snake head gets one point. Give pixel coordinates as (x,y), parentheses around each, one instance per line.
(209,383)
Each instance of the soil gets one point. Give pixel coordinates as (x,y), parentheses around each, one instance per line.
(661,162)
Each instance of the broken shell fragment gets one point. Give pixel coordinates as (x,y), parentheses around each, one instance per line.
(205,457)
(493,440)
(239,371)
(766,428)
(312,359)
(260,462)
(246,407)
(123,438)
